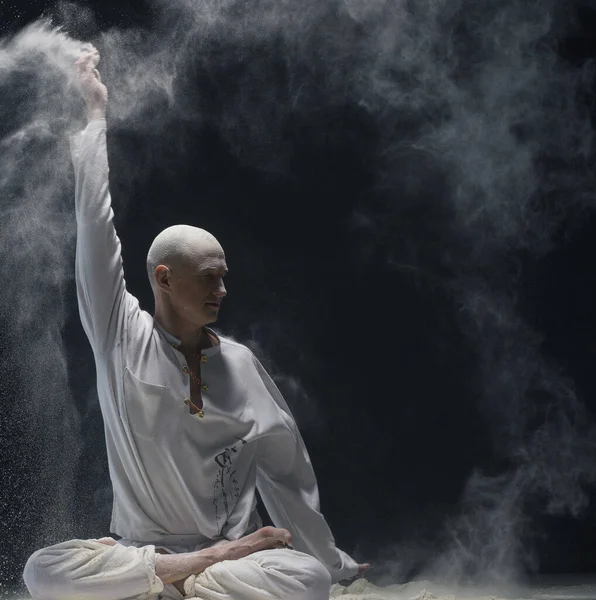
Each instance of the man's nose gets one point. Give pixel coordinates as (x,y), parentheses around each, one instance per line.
(221,289)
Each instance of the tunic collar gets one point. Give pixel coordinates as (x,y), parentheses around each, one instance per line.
(175,342)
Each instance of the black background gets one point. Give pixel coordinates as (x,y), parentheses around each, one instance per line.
(371,354)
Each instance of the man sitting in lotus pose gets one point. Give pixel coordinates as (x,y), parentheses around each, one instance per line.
(193,424)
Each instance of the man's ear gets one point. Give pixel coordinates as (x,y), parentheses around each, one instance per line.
(163,278)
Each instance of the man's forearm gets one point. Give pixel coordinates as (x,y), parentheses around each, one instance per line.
(175,568)
(172,568)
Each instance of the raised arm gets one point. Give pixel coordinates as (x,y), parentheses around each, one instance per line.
(104,304)
(288,486)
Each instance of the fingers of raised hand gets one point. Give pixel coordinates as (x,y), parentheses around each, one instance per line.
(88,61)
(84,64)
(88,49)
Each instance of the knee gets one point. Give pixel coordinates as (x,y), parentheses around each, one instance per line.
(42,579)
(311,579)
(313,575)
(48,573)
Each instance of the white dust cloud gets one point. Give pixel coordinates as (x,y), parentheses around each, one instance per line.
(476,115)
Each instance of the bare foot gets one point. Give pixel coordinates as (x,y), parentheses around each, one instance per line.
(265,538)
(108,541)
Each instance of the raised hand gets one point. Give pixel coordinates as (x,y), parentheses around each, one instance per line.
(94,91)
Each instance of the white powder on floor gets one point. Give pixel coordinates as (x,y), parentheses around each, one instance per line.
(362,589)
(425,590)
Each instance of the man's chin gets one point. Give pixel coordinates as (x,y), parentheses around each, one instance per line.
(211,316)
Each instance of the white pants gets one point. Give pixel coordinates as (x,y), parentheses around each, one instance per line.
(89,570)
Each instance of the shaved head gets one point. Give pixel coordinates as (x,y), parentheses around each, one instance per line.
(180,245)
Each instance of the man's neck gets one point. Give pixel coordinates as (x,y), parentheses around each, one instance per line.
(192,339)
(195,341)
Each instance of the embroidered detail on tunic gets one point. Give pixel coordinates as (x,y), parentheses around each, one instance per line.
(226,489)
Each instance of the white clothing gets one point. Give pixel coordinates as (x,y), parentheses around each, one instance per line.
(89,570)
(180,480)
(266,575)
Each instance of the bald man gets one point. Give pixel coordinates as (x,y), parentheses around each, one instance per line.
(193,426)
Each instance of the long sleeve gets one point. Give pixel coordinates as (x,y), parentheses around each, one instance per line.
(104,304)
(288,487)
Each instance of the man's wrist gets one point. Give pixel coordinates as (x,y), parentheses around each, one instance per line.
(96,113)
(211,556)
(224,552)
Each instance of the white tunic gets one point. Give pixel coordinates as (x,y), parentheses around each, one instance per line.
(180,480)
